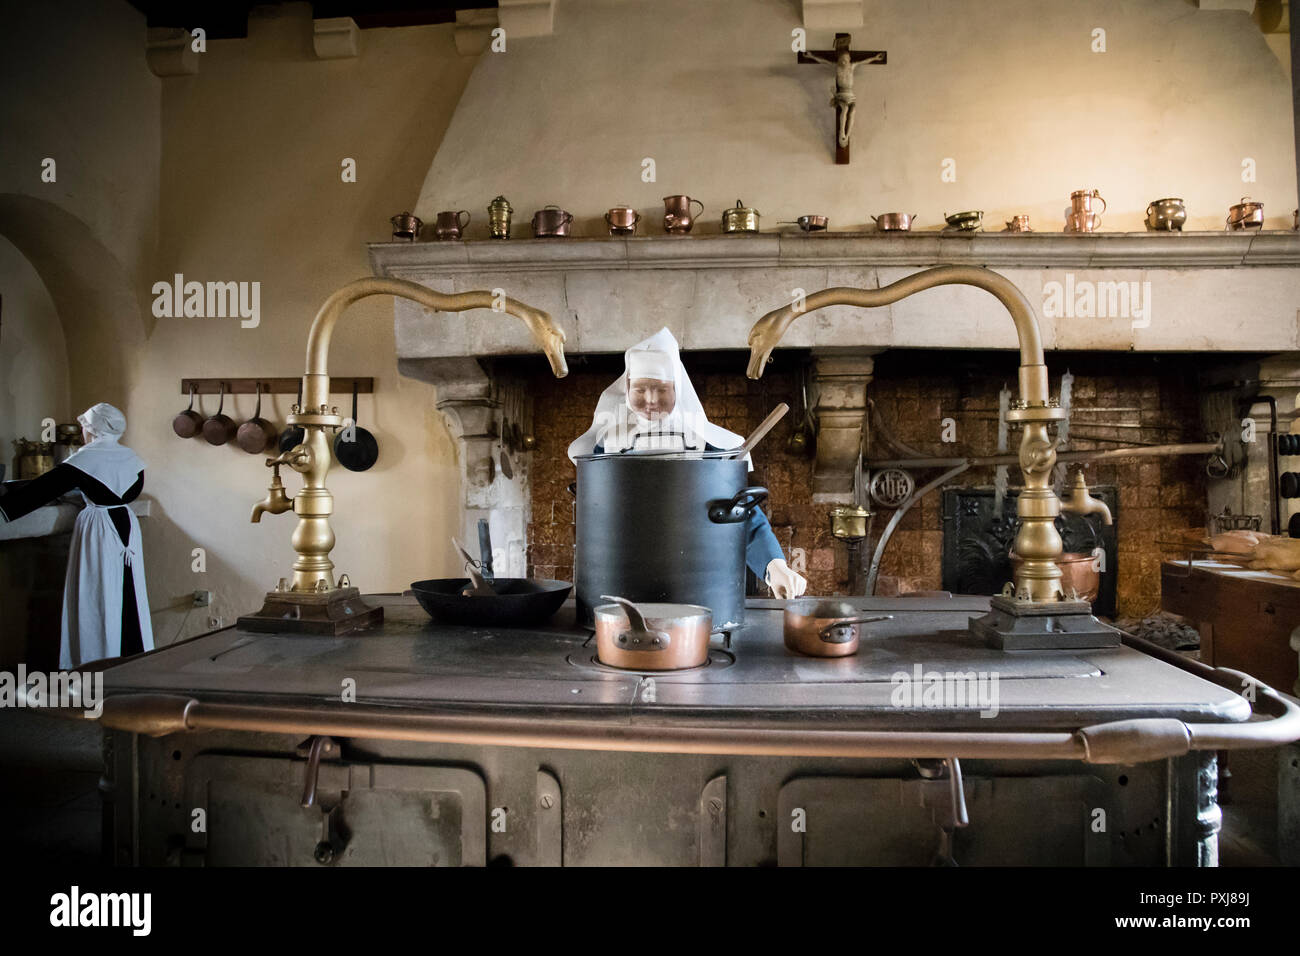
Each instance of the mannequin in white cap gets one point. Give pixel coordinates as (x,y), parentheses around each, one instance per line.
(653,407)
(105,606)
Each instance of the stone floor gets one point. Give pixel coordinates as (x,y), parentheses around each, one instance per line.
(49,798)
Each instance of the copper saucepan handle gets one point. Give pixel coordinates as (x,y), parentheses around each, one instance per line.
(825,632)
(655,640)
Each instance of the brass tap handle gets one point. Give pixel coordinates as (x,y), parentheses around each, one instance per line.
(299,458)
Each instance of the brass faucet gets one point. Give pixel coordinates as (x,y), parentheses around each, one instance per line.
(1038,580)
(276,501)
(1080,502)
(313,539)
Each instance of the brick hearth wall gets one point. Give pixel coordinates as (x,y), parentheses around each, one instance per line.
(913,392)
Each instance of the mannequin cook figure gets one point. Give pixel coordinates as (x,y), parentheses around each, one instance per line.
(653,407)
(105,606)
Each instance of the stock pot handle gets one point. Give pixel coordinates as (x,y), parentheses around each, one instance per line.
(739,507)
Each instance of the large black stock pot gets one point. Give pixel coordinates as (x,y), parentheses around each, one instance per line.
(668,530)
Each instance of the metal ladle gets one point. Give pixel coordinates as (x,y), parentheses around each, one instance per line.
(478,587)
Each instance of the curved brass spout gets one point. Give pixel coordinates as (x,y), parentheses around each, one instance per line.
(313,539)
(1037,541)
(315,382)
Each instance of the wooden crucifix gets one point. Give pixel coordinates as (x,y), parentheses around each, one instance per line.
(846,63)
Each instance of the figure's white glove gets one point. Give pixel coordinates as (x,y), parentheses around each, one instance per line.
(784,582)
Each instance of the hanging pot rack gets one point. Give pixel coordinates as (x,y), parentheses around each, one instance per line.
(272,386)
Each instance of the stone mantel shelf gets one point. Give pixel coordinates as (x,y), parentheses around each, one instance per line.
(1127,250)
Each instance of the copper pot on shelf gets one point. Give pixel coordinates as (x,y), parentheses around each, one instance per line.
(678,218)
(551,222)
(622,220)
(1018,223)
(406,226)
(816,627)
(894,221)
(1246,215)
(650,636)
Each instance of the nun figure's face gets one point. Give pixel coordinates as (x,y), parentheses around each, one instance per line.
(651,398)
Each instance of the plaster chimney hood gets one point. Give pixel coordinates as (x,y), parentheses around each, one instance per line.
(1206,292)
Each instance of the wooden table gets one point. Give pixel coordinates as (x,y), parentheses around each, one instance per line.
(1245,618)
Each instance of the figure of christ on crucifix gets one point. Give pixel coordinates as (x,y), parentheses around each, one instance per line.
(846,63)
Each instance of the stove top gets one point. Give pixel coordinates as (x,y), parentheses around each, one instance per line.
(412,662)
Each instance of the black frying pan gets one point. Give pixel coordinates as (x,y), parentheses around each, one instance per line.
(362,451)
(519,602)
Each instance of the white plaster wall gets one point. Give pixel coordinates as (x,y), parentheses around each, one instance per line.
(76,89)
(1007,88)
(33,356)
(251,191)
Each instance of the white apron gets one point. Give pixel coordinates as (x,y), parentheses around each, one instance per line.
(92,594)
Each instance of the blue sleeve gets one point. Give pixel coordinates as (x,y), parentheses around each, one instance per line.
(761,546)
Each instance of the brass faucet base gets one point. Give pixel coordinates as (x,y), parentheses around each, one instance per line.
(1023,626)
(334,612)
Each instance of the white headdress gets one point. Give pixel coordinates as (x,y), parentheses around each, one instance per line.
(657,357)
(115,466)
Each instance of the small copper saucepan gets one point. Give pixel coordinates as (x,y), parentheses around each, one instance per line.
(189,422)
(220,428)
(894,222)
(651,637)
(821,628)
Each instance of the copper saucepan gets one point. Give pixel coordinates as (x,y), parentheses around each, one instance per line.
(188,423)
(821,628)
(651,637)
(220,428)
(257,434)
(894,221)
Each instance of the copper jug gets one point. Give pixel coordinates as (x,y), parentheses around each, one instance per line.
(677,214)
(1081,203)
(447,225)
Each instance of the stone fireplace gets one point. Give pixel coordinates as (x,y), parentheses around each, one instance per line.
(940,355)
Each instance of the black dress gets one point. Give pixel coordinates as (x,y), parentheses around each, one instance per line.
(65,478)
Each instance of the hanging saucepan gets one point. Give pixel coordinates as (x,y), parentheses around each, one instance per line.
(257,434)
(651,637)
(292,436)
(354,447)
(820,628)
(220,428)
(189,422)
